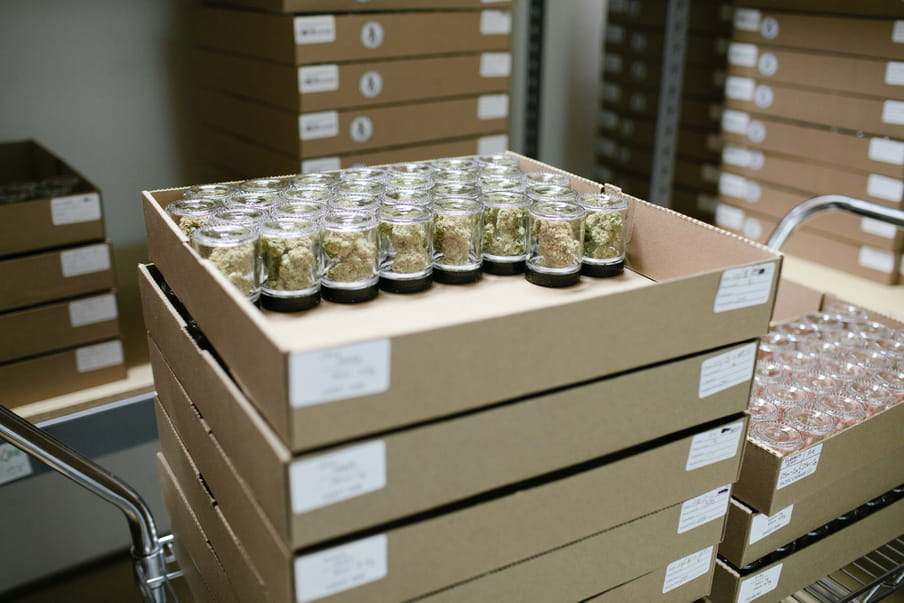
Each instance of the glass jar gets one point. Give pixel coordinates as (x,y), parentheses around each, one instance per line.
(406,248)
(350,257)
(781,438)
(191,214)
(412,167)
(760,410)
(423,182)
(551,192)
(556,234)
(264,185)
(457,240)
(893,380)
(366,188)
(327,179)
(505,172)
(845,409)
(816,383)
(785,396)
(543,177)
(264,201)
(406,196)
(501,183)
(453,176)
(605,234)
(456,189)
(504,232)
(239,216)
(290,254)
(317,193)
(796,360)
(455,163)
(234,251)
(305,210)
(356,202)
(218,192)
(497,159)
(871,394)
(842,368)
(374,174)
(813,425)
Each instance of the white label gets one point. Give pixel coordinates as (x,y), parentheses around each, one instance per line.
(729,217)
(760,584)
(769,28)
(740,88)
(613,63)
(372,35)
(495,64)
(98,356)
(735,121)
(742,55)
(312,126)
(894,73)
(741,157)
(318,78)
(798,466)
(495,22)
(744,287)
(884,187)
(615,33)
(361,129)
(893,112)
(726,370)
(687,568)
(85,260)
(92,310)
(876,259)
(764,525)
(704,508)
(492,106)
(75,209)
(340,568)
(714,445)
(756,131)
(747,19)
(337,476)
(321,164)
(768,64)
(733,185)
(710,173)
(897,34)
(350,371)
(763,96)
(491,145)
(371,84)
(753,229)
(13,463)
(315,30)
(611,92)
(886,151)
(878,228)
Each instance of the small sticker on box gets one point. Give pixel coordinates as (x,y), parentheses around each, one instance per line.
(742,55)
(760,584)
(372,35)
(756,131)
(315,30)
(769,28)
(339,373)
(331,478)
(763,96)
(611,92)
(613,63)
(729,217)
(893,112)
(492,145)
(341,568)
(726,370)
(492,106)
(615,33)
(312,126)
(318,78)
(687,568)
(361,129)
(744,287)
(765,525)
(768,64)
(894,73)
(886,151)
(98,356)
(747,19)
(798,466)
(92,310)
(878,228)
(753,228)
(733,186)
(14,463)
(495,64)
(321,164)
(85,260)
(704,508)
(883,187)
(75,209)
(371,84)
(897,34)
(876,259)
(495,22)
(714,446)
(735,121)
(740,88)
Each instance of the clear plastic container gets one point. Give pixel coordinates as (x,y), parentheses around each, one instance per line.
(504,172)
(234,251)
(871,329)
(504,232)
(455,163)
(555,244)
(824,320)
(375,174)
(872,394)
(264,201)
(316,193)
(299,209)
(191,214)
(871,358)
(798,328)
(364,188)
(501,183)
(422,182)
(456,189)
(893,380)
(406,248)
(498,159)
(406,196)
(412,167)
(785,395)
(239,216)
(291,262)
(814,425)
(847,312)
(350,245)
(453,176)
(796,359)
(773,342)
(781,438)
(457,240)
(550,192)
(219,192)
(845,409)
(843,368)
(816,383)
(760,410)
(327,179)
(265,185)
(542,177)
(606,228)
(356,202)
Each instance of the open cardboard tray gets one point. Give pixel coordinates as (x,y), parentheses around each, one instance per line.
(340,372)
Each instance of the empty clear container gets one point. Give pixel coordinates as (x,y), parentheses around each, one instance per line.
(407,196)
(504,232)
(763,411)
(412,167)
(191,214)
(375,174)
(239,216)
(296,208)
(845,409)
(498,159)
(234,252)
(872,394)
(327,179)
(457,240)
(785,395)
(218,192)
(814,425)
(290,254)
(781,438)
(264,201)
(542,177)
(265,185)
(455,163)
(555,244)
(406,248)
(454,176)
(350,256)
(605,234)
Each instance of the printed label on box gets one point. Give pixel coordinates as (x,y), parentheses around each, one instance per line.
(321,164)
(893,112)
(739,88)
(744,287)
(747,19)
(735,121)
(318,78)
(98,356)
(884,187)
(74,209)
(492,106)
(613,63)
(495,64)
(886,151)
(337,476)
(495,22)
(897,34)
(615,33)
(704,508)
(312,126)
(361,129)
(714,446)
(764,525)
(339,373)
(798,466)
(611,92)
(92,310)
(733,186)
(315,30)
(760,584)
(876,259)
(85,260)
(767,64)
(729,217)
(14,463)
(726,370)
(372,35)
(742,55)
(878,228)
(741,157)
(753,228)
(371,84)
(491,145)
(894,73)
(340,568)
(687,568)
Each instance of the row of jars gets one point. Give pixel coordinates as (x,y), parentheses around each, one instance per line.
(823,373)
(52,186)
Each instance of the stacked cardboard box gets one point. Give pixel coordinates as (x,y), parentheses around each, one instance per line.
(813,107)
(463,443)
(312,86)
(632,72)
(58,317)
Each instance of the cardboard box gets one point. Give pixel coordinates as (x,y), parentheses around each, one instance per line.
(868,37)
(635,41)
(646,73)
(703,143)
(45,222)
(702,16)
(53,275)
(811,563)
(341,6)
(57,373)
(649,587)
(696,175)
(700,113)
(305,40)
(56,326)
(322,133)
(339,86)
(671,283)
(623,178)
(691,144)
(877,8)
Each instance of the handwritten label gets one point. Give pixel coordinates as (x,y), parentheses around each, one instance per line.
(878,228)
(330,478)
(735,121)
(14,463)
(495,64)
(318,78)
(492,106)
(704,508)
(495,22)
(714,446)
(747,19)
(341,568)
(744,287)
(92,310)
(85,260)
(350,371)
(798,466)
(75,209)
(726,370)
(491,145)
(893,112)
(739,88)
(883,187)
(886,151)
(876,259)
(742,55)
(312,126)
(756,586)
(315,30)
(765,525)
(321,164)
(687,568)
(98,356)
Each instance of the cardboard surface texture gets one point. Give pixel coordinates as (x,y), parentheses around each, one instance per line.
(649,587)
